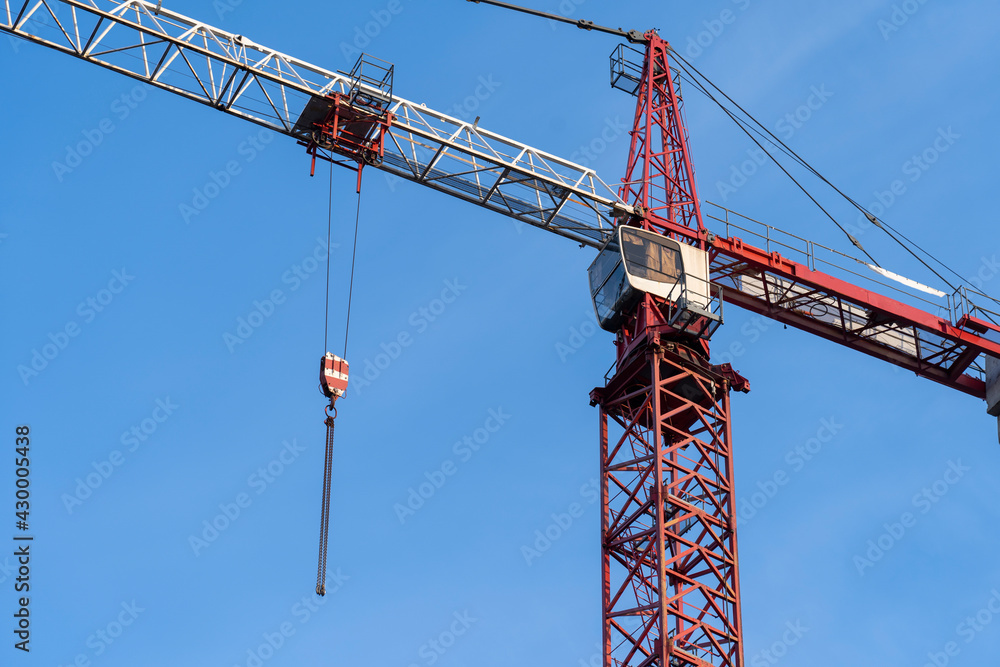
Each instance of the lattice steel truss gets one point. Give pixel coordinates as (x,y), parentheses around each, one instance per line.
(670,570)
(947,346)
(659,177)
(233,74)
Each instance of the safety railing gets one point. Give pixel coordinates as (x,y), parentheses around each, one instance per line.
(818,257)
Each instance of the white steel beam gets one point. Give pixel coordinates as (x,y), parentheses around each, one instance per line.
(237,76)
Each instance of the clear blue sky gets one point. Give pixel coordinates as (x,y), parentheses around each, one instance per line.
(457,565)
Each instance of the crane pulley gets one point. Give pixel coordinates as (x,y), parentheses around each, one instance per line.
(352,124)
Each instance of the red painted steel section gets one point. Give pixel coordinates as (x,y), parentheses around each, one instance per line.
(943,351)
(352,130)
(659,178)
(796,295)
(976,324)
(333,375)
(773,263)
(669,568)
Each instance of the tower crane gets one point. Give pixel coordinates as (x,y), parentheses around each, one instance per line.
(666,265)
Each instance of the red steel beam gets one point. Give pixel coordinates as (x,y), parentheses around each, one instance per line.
(670,568)
(943,350)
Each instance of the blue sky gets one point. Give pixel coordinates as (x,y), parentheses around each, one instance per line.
(490,358)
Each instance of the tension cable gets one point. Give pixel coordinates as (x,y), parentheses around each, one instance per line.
(354,255)
(333,376)
(696,77)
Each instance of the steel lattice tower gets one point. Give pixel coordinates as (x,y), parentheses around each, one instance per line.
(670,567)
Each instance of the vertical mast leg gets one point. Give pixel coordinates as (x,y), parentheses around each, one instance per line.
(670,571)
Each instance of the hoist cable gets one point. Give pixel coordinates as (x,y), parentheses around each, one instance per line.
(329,238)
(354,255)
(765,134)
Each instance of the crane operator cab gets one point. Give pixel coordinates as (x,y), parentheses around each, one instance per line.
(636,261)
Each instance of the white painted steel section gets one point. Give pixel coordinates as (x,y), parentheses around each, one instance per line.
(238,76)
